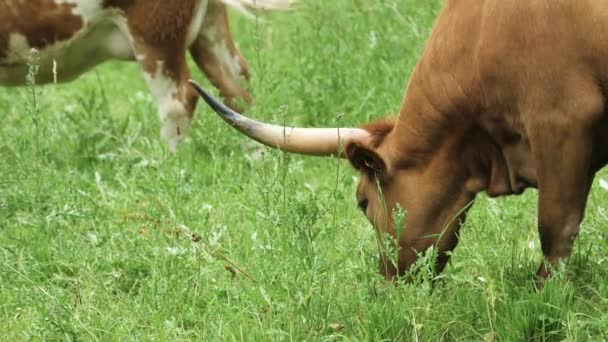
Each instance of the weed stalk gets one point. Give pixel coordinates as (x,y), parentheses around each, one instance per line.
(33,108)
(340,151)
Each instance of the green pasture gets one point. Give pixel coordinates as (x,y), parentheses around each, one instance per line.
(104,235)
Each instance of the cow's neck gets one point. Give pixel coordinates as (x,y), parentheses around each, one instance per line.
(495,153)
(498,166)
(436,108)
(439,113)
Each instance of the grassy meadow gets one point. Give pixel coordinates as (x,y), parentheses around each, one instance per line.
(104,235)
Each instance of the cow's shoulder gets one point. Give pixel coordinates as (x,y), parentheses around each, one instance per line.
(157,21)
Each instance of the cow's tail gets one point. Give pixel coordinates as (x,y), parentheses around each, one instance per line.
(247,6)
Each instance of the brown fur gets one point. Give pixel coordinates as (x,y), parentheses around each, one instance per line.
(42,22)
(160,21)
(378,130)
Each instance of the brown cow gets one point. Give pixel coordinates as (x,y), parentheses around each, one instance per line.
(507,95)
(73,36)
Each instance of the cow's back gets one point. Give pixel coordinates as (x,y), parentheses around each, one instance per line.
(506,50)
(538,43)
(70,37)
(74,36)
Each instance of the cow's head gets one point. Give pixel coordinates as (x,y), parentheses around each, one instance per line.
(419,198)
(429,194)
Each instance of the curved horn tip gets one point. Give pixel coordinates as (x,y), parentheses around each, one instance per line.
(193,83)
(217,106)
(197,86)
(202,92)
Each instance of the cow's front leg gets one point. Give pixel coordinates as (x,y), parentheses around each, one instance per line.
(176,102)
(166,74)
(216,55)
(562,149)
(558,225)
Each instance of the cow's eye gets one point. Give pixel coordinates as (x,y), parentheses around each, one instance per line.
(362,204)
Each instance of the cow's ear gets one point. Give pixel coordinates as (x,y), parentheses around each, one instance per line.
(364,158)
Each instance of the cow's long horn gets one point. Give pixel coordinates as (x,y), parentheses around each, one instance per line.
(311,141)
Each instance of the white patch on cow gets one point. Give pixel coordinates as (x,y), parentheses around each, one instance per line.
(245,6)
(118,45)
(197,21)
(119,42)
(219,48)
(603,184)
(174,118)
(229,62)
(210,33)
(84,8)
(18,48)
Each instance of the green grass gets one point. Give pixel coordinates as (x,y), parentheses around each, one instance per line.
(97,218)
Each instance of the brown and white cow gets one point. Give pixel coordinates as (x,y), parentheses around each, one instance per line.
(73,36)
(507,95)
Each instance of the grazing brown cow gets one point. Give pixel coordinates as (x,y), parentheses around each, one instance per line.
(72,36)
(507,95)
